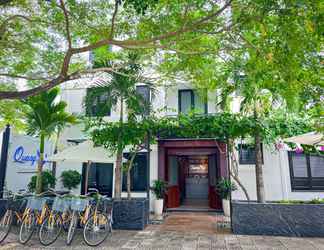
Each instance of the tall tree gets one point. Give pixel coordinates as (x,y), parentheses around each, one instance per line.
(44,115)
(272,55)
(149,25)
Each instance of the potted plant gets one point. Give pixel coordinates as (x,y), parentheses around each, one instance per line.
(159,189)
(70,179)
(224,188)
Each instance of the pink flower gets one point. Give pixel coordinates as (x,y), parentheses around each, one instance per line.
(279,145)
(299,150)
(321,148)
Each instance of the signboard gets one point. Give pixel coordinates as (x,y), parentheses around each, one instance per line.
(23,158)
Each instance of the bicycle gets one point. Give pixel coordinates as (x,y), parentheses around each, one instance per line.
(57,219)
(80,208)
(37,210)
(95,223)
(15,204)
(99,225)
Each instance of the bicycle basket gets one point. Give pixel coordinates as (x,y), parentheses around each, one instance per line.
(60,204)
(36,203)
(78,204)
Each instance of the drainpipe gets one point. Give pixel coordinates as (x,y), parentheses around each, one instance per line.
(4,158)
(148,171)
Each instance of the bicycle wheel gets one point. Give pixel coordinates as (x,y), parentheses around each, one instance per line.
(72,227)
(50,229)
(27,228)
(96,229)
(5,225)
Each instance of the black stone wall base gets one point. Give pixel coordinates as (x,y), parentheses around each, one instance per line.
(130,214)
(303,220)
(3,206)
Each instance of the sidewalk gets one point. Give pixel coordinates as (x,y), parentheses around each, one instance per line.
(185,231)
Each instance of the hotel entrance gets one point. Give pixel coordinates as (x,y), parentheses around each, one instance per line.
(191,168)
(191,180)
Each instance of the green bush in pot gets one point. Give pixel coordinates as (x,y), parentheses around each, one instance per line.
(225,187)
(70,179)
(159,188)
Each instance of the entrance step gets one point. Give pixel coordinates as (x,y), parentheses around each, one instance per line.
(193,209)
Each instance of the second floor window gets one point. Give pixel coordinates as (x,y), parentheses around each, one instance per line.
(247,154)
(145,92)
(97,102)
(192,100)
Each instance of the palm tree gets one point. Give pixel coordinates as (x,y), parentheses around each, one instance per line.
(44,116)
(121,91)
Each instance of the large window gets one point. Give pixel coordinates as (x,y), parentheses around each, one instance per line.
(306,171)
(192,100)
(247,154)
(100,177)
(97,102)
(138,174)
(145,93)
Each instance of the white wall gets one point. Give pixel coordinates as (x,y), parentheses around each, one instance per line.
(276,179)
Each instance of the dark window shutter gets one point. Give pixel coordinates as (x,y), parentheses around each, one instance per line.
(317,166)
(138,174)
(306,171)
(299,165)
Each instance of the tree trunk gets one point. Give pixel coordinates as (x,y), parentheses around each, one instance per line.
(119,158)
(55,152)
(238,181)
(130,165)
(258,162)
(129,194)
(234,165)
(40,165)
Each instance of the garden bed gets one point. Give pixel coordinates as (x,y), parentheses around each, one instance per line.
(130,214)
(285,219)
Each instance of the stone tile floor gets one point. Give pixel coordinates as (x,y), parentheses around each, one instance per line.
(178,232)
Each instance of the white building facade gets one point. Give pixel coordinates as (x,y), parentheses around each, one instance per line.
(286,175)
(190,166)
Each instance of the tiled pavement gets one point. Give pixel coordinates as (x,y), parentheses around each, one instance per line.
(190,234)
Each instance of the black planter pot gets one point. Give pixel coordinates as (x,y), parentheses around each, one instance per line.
(302,220)
(131,214)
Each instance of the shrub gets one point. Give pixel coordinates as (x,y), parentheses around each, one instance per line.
(225,187)
(48,180)
(70,179)
(159,188)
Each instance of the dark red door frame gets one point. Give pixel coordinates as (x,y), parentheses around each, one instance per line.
(178,146)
